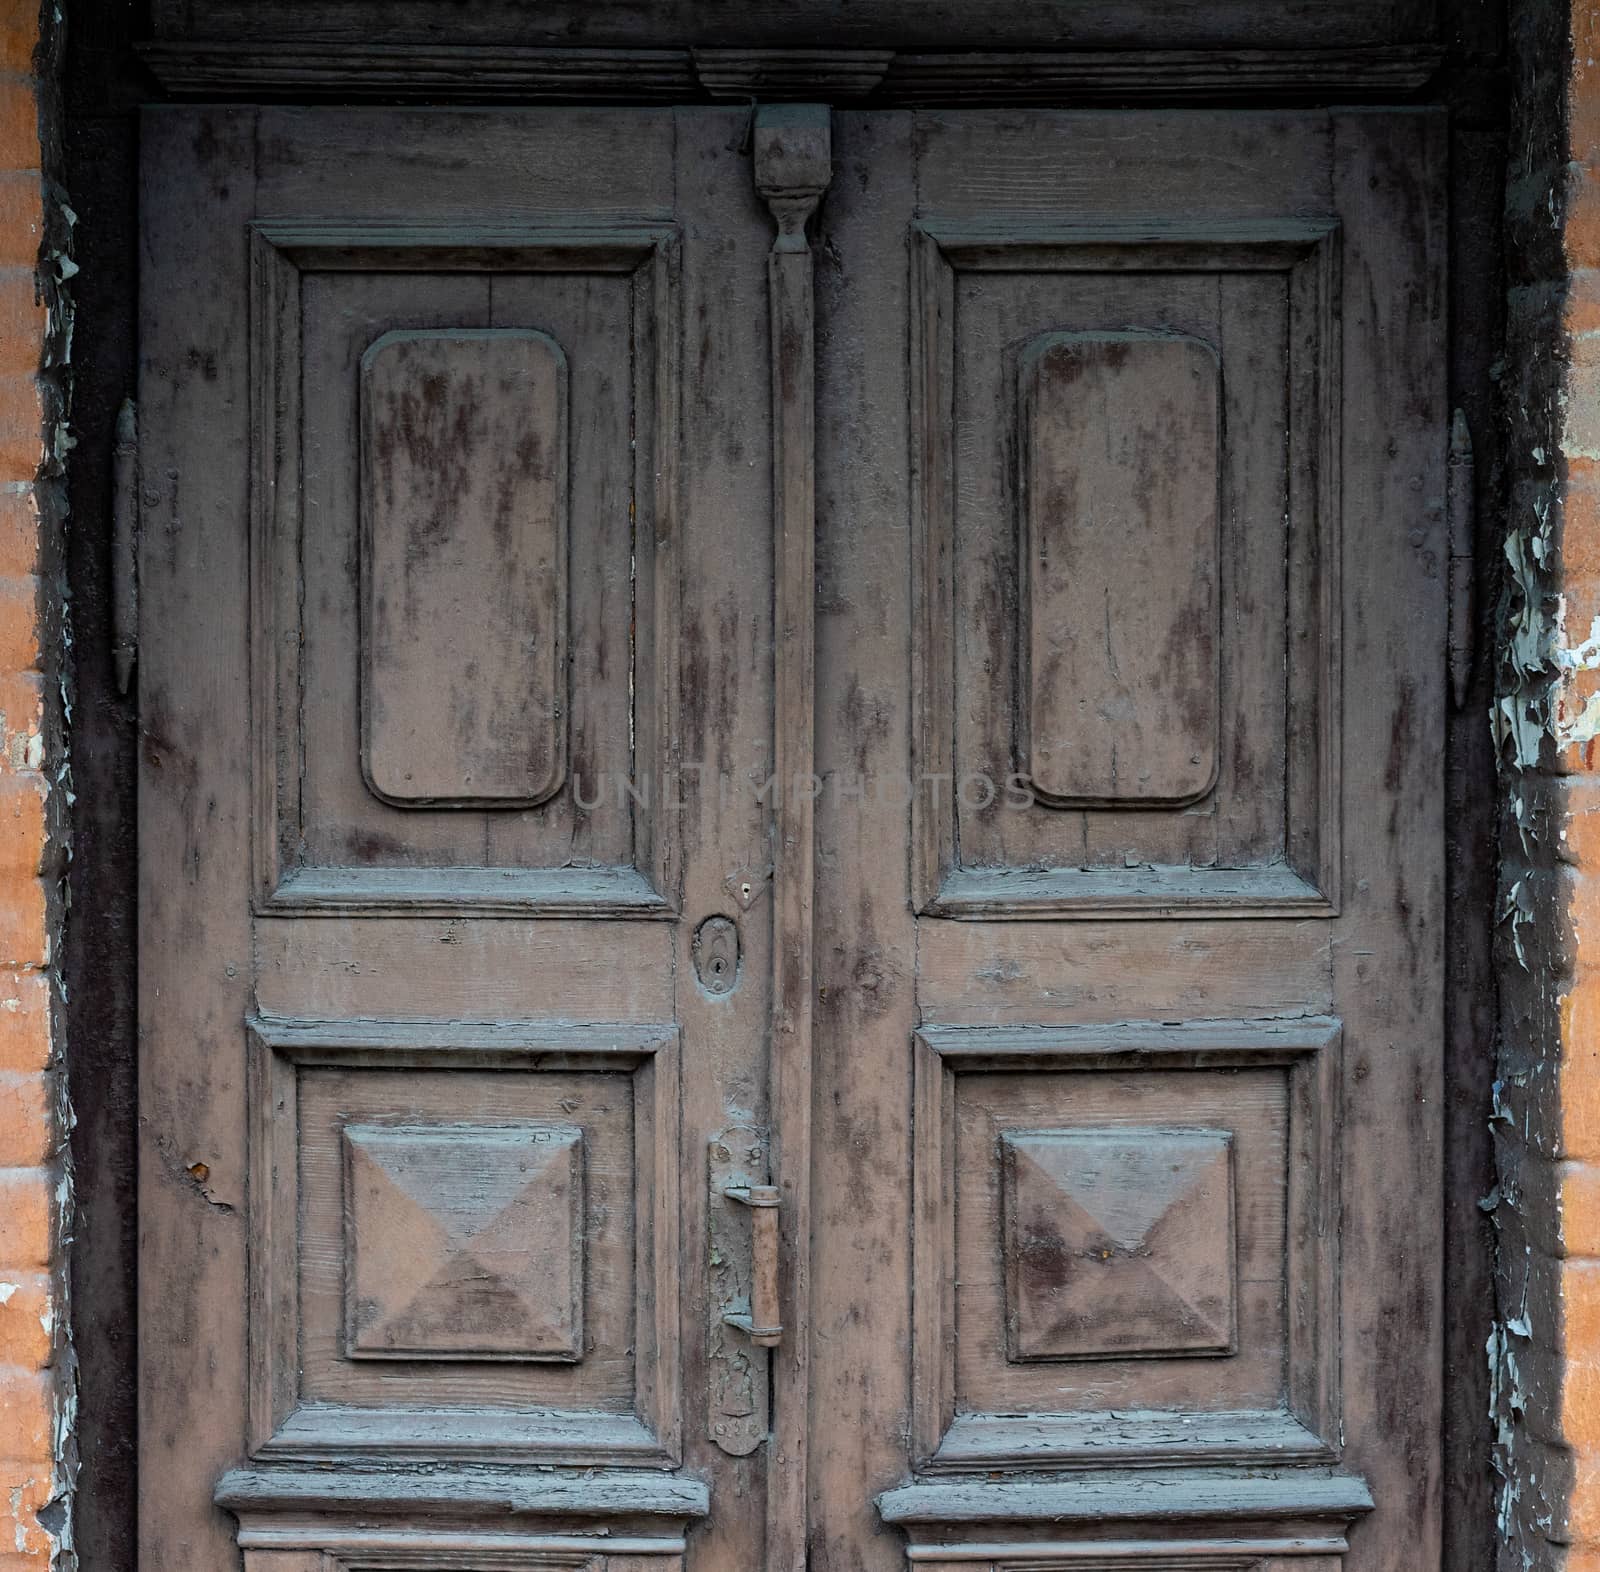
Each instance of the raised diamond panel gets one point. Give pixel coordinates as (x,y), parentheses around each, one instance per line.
(1118,1243)
(464,1242)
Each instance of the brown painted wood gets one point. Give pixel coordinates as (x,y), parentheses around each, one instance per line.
(427,1109)
(940,24)
(360,71)
(1116,575)
(1081,1019)
(1101,1118)
(460,426)
(793,165)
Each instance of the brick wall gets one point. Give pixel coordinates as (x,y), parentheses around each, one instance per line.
(35,1181)
(1545,1354)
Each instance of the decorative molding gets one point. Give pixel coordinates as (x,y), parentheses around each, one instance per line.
(284,1426)
(1305,881)
(832,75)
(1071,78)
(282,251)
(984,1442)
(511,73)
(464,1241)
(1135,1495)
(434,73)
(948,1437)
(792,163)
(462,1520)
(1151,1555)
(1163,1520)
(442,1492)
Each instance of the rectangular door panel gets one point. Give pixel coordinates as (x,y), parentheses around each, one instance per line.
(1170,748)
(435,747)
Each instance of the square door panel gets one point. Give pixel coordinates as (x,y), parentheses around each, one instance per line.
(1126,525)
(465,609)
(1124,1242)
(465,1240)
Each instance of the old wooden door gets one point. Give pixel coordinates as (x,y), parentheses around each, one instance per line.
(623,1089)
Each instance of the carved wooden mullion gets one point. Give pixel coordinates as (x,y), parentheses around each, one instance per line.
(793,165)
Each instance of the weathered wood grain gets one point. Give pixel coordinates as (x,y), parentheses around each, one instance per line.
(940,23)
(464,542)
(723,574)
(430,979)
(1117,577)
(793,165)
(1105,1132)
(363,71)
(197,194)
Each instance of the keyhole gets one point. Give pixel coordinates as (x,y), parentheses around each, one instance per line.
(716,956)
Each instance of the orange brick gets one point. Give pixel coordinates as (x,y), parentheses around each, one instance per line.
(19,34)
(21,718)
(27,1488)
(1580,1210)
(25,1212)
(19,623)
(1581,423)
(1580,1009)
(1580,1070)
(19,123)
(26,1125)
(25,1411)
(23,939)
(21,220)
(19,534)
(21,427)
(1583,1510)
(1581,233)
(22,831)
(1580,533)
(1583,297)
(27,1320)
(22,321)
(24,1021)
(1580,1299)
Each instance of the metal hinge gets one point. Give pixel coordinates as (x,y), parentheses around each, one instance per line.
(1462,503)
(125,544)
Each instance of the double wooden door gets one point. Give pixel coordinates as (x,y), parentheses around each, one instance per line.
(791,819)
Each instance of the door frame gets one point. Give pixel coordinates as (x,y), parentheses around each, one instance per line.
(104,81)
